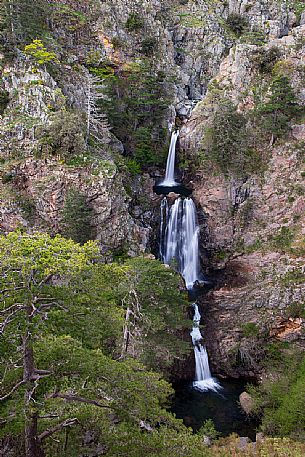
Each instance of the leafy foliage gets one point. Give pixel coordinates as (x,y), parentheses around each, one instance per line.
(265,60)
(136,103)
(228,141)
(281,400)
(76,217)
(134,23)
(62,316)
(237,23)
(4,100)
(64,136)
(276,113)
(39,53)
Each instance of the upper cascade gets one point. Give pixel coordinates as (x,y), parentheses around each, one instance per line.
(169,179)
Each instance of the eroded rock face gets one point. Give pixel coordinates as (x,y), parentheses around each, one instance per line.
(252,228)
(46,183)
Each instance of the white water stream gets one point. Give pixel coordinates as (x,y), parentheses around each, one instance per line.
(203,379)
(169,179)
(179,246)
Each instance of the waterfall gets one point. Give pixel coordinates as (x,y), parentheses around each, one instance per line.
(190,245)
(179,241)
(203,379)
(169,179)
(179,245)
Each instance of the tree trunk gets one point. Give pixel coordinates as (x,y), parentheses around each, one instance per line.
(32,445)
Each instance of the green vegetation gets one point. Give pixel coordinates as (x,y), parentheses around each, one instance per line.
(136,103)
(296,309)
(134,23)
(39,53)
(208,429)
(281,401)
(228,141)
(64,136)
(73,322)
(237,23)
(76,217)
(4,100)
(275,114)
(149,46)
(265,60)
(250,330)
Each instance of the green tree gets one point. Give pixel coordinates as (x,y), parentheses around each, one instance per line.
(275,114)
(39,53)
(62,316)
(280,400)
(76,217)
(154,315)
(64,136)
(228,141)
(136,103)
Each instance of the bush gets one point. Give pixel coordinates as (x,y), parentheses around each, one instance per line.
(228,141)
(274,115)
(148,46)
(4,100)
(39,53)
(296,309)
(208,429)
(134,23)
(64,136)
(250,330)
(265,60)
(237,23)
(76,217)
(281,401)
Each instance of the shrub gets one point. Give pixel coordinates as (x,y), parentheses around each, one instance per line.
(250,330)
(237,23)
(148,46)
(39,53)
(208,429)
(134,23)
(64,136)
(228,141)
(295,309)
(281,401)
(275,114)
(76,217)
(265,60)
(4,100)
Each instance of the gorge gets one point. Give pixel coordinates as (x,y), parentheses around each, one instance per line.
(133,296)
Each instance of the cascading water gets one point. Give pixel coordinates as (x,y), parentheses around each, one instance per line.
(203,379)
(180,238)
(179,245)
(169,179)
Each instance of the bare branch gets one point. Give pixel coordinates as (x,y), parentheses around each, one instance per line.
(57,428)
(9,319)
(20,383)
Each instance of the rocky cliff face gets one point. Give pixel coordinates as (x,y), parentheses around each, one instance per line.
(253,227)
(252,238)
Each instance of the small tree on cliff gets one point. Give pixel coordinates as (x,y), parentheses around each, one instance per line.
(275,114)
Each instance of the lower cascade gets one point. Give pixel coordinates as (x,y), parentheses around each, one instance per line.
(203,379)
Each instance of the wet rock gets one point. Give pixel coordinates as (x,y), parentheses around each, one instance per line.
(246,402)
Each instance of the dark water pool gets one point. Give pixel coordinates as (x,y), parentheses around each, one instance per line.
(196,407)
